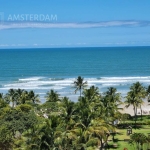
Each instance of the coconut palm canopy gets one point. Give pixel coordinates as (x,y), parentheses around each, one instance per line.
(60,123)
(80,84)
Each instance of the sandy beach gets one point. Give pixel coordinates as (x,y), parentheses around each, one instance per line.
(129,110)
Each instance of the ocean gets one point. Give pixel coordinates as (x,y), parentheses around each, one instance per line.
(57,68)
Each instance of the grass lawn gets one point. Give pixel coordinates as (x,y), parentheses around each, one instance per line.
(121,139)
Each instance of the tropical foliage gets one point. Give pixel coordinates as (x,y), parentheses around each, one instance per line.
(79,84)
(61,124)
(135,97)
(139,139)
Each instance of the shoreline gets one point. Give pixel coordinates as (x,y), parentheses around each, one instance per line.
(129,110)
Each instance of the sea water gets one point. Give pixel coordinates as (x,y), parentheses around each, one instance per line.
(57,68)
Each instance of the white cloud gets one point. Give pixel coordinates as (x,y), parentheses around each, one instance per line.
(19,25)
(13,45)
(4,45)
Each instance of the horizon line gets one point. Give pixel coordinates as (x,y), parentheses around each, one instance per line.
(8,48)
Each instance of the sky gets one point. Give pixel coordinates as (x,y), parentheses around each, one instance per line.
(74,23)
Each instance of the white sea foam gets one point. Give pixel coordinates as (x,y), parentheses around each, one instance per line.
(110,85)
(126,78)
(33,88)
(121,80)
(65,85)
(41,93)
(104,81)
(31,79)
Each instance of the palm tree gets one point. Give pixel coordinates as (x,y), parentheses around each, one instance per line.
(43,137)
(131,99)
(52,102)
(113,96)
(111,101)
(1,95)
(148,93)
(19,91)
(3,102)
(92,136)
(11,96)
(83,139)
(33,138)
(140,93)
(85,111)
(23,97)
(92,97)
(52,96)
(15,96)
(80,84)
(139,138)
(101,130)
(92,93)
(47,136)
(135,98)
(94,130)
(33,97)
(67,111)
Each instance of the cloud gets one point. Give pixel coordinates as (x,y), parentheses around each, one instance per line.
(21,25)
(4,45)
(13,45)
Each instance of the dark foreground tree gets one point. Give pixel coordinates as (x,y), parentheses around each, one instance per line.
(6,138)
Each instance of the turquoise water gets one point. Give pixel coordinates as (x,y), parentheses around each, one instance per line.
(45,69)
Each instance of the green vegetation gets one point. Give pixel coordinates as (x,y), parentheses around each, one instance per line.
(135,98)
(60,124)
(80,84)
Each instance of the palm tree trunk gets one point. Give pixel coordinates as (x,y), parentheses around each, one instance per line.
(13,104)
(135,110)
(80,92)
(141,113)
(135,117)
